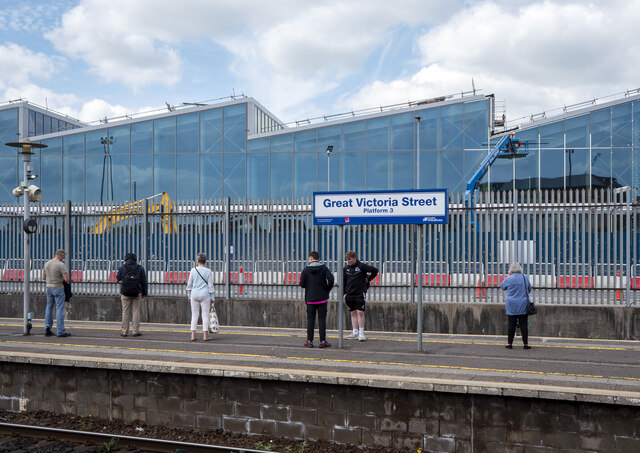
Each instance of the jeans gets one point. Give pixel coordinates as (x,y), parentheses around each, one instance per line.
(321,309)
(55,296)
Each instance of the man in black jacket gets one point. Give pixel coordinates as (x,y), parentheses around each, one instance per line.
(356,279)
(133,290)
(317,281)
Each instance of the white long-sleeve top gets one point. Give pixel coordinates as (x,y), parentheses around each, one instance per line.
(196,286)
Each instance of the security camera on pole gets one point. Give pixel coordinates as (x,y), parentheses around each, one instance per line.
(29,225)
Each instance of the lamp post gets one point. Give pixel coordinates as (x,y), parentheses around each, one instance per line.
(31,193)
(329,149)
(420,228)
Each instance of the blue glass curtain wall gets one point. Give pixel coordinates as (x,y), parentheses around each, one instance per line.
(208,155)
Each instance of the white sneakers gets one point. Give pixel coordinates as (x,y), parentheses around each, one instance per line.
(354,336)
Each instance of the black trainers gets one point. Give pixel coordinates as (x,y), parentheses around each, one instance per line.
(47,332)
(509,346)
(526,346)
(324,344)
(136,334)
(63,335)
(308,344)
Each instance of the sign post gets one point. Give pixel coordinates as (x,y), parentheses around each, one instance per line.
(414,207)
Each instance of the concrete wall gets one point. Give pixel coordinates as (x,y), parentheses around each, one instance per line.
(408,419)
(622,323)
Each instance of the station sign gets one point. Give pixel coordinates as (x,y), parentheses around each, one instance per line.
(381,207)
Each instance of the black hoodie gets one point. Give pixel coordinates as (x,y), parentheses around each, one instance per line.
(317,280)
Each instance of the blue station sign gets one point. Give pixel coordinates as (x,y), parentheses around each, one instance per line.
(381,207)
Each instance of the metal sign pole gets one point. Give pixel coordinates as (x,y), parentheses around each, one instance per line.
(340,283)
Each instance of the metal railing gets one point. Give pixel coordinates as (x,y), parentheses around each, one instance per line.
(578,247)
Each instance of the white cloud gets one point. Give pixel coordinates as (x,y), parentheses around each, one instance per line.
(98,109)
(536,56)
(20,64)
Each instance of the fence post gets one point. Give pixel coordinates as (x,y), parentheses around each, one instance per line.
(628,247)
(67,235)
(145,235)
(227,247)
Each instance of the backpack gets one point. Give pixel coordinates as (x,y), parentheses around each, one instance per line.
(131,283)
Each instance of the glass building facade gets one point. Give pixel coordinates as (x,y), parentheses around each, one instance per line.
(238,150)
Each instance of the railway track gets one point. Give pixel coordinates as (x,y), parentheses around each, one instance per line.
(111,442)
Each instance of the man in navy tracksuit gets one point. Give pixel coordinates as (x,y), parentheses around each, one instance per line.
(356,279)
(317,281)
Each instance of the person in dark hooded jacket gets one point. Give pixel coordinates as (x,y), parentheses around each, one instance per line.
(317,281)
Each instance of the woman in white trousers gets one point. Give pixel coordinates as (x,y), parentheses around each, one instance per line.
(200,291)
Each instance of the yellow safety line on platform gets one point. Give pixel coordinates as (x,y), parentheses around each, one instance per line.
(356,362)
(406,340)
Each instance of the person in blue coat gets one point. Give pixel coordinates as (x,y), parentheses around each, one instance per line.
(518,287)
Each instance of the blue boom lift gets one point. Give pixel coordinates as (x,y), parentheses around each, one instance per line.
(508,147)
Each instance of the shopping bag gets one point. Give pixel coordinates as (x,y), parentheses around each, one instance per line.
(214,325)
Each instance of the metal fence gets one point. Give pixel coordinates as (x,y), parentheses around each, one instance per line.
(578,247)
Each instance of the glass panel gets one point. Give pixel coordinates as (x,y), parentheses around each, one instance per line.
(141,176)
(577,167)
(96,143)
(304,174)
(377,170)
(108,178)
(9,179)
(323,163)
(260,145)
(636,168)
(601,128)
(210,176)
(258,175)
(187,176)
(282,143)
(32,122)
(527,169)
(600,169)
(577,131)
(234,174)
(377,134)
(353,136)
(120,139)
(401,132)
(636,123)
(552,169)
(235,132)
(452,170)
(305,140)
(429,169)
(476,124)
(621,125)
(211,131)
(353,171)
(141,138)
(472,161)
(401,171)
(621,165)
(552,135)
(451,124)
(281,181)
(164,174)
(47,125)
(39,123)
(329,136)
(73,144)
(8,131)
(429,129)
(164,136)
(55,124)
(187,131)
(51,178)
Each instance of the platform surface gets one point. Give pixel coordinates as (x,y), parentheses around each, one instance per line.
(558,368)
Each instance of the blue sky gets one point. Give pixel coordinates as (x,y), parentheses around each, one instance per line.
(105,58)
